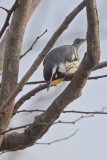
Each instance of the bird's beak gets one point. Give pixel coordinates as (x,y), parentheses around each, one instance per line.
(49,85)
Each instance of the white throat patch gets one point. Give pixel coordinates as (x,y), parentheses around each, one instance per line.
(62,68)
(54,69)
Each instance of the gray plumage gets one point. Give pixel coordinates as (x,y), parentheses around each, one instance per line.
(62,54)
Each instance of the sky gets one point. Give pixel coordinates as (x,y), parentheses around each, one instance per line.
(90,141)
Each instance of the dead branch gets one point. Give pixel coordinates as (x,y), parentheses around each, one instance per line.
(6,24)
(45,124)
(5,9)
(58,140)
(69,77)
(97,77)
(31,93)
(11,61)
(28,96)
(49,143)
(70,111)
(3,42)
(31,47)
(100,65)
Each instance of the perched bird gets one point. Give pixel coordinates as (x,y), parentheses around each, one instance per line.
(61,61)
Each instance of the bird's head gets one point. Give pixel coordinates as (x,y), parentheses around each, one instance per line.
(57,75)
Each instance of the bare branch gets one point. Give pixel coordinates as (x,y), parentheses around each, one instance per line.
(58,140)
(11,60)
(28,96)
(49,143)
(5,9)
(69,77)
(73,111)
(35,82)
(97,77)
(45,124)
(6,24)
(3,41)
(31,47)
(100,65)
(15,128)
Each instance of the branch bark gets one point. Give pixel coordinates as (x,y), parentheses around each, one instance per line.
(11,61)
(72,92)
(34,4)
(28,96)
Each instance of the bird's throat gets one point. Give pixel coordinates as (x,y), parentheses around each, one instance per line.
(57,81)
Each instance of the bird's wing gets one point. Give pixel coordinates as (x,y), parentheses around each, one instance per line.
(71,54)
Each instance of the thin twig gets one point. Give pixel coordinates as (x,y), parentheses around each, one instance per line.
(68,78)
(97,77)
(48,123)
(35,82)
(15,128)
(31,47)
(5,9)
(28,96)
(30,111)
(58,140)
(75,121)
(6,24)
(79,112)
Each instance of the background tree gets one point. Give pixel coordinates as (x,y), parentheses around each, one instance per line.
(10,89)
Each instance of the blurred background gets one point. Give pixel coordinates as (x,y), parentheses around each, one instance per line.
(90,142)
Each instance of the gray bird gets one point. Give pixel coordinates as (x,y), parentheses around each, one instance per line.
(60,62)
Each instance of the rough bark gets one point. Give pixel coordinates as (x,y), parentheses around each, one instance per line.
(34,4)
(11,60)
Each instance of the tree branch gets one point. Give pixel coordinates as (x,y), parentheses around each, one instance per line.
(11,60)
(6,24)
(79,112)
(31,47)
(31,93)
(100,65)
(34,4)
(58,140)
(45,124)
(28,96)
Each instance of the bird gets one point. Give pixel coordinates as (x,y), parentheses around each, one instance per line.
(60,62)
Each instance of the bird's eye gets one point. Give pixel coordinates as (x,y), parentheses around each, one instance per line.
(54,76)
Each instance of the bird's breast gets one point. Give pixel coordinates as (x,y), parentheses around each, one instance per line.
(71,67)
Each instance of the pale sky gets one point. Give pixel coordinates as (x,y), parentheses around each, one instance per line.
(90,142)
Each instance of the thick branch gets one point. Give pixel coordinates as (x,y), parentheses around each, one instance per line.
(28,96)
(8,18)
(11,61)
